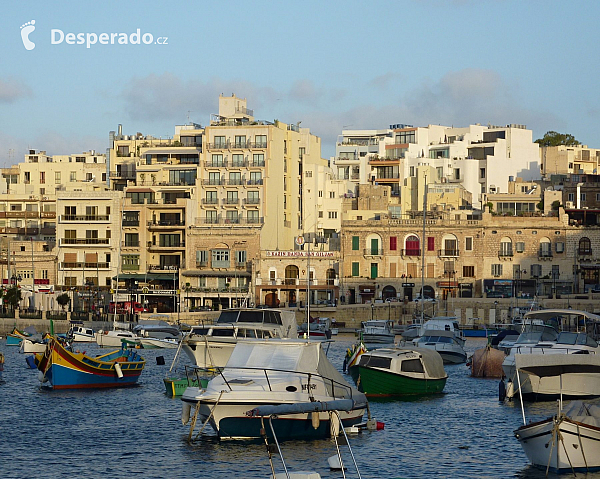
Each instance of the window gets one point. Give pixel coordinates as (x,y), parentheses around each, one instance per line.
(253,217)
(212,217)
(255,178)
(320,194)
(232,217)
(220,142)
(555,271)
(57,177)
(496,270)
(260,141)
(237,160)
(560,247)
(201,258)
(332,215)
(130,262)
(240,257)
(520,247)
(132,239)
(469,244)
(320,214)
(571,197)
(332,194)
(393,243)
(412,246)
(89,177)
(240,141)
(545,248)
(258,159)
(182,177)
(585,246)
(482,173)
(73,176)
(355,243)
(506,247)
(468,271)
(308,174)
(214,178)
(252,198)
(235,178)
(355,269)
(583,196)
(411,171)
(536,270)
(42,177)
(220,258)
(430,243)
(597,196)
(211,198)
(457,173)
(216,161)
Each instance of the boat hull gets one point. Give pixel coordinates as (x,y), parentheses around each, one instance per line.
(543,449)
(29,347)
(378,338)
(230,422)
(176,386)
(375,382)
(108,340)
(13,340)
(63,369)
(153,343)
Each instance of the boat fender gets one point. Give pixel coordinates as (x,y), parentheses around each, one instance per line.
(42,377)
(334,426)
(185,413)
(510,390)
(118,370)
(316,420)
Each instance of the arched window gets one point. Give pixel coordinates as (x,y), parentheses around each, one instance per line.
(545,248)
(506,247)
(412,246)
(450,245)
(585,246)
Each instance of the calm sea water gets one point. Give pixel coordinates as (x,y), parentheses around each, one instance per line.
(137,432)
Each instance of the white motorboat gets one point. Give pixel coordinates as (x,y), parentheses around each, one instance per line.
(274,372)
(445,342)
(34,346)
(156,343)
(156,329)
(547,348)
(81,333)
(377,331)
(568,441)
(320,329)
(210,346)
(114,338)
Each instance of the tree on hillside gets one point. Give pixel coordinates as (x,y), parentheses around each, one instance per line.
(12,297)
(553,138)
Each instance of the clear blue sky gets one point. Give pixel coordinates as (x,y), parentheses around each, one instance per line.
(328,64)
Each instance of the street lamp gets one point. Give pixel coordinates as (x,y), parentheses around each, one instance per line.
(372,310)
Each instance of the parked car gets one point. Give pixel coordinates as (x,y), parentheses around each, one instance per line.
(426,299)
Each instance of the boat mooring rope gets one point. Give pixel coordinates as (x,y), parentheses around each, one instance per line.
(209,416)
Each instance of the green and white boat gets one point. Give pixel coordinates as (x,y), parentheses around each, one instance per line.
(399,372)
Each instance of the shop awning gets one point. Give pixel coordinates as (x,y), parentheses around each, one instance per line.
(147,277)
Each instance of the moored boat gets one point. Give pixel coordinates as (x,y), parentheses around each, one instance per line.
(275,372)
(115,337)
(399,372)
(211,345)
(446,343)
(81,333)
(15,337)
(486,362)
(377,331)
(156,343)
(62,368)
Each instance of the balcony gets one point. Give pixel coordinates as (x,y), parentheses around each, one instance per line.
(48,214)
(235,182)
(254,182)
(130,244)
(209,220)
(130,267)
(126,175)
(231,201)
(166,224)
(216,164)
(544,254)
(448,252)
(131,223)
(84,218)
(241,264)
(256,163)
(584,251)
(213,182)
(210,201)
(239,164)
(84,241)
(220,145)
(373,252)
(201,264)
(505,254)
(411,252)
(81,265)
(166,246)
(252,201)
(257,144)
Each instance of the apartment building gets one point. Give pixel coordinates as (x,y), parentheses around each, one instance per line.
(564,160)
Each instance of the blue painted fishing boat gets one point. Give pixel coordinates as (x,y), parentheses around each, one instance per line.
(15,337)
(63,368)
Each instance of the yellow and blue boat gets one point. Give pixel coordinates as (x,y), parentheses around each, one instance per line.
(15,337)
(62,368)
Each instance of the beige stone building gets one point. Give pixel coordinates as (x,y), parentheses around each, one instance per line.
(563,160)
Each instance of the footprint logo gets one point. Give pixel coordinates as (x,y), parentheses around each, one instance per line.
(26,29)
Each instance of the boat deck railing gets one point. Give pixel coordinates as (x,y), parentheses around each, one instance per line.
(329,382)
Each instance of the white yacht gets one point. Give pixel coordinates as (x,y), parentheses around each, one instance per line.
(547,348)
(81,333)
(377,331)
(445,342)
(209,346)
(274,372)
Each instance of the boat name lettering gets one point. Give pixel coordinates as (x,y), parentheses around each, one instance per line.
(305,386)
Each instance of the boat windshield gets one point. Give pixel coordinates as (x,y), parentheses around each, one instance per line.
(435,339)
(534,337)
(580,339)
(375,361)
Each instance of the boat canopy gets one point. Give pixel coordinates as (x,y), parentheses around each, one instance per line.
(284,355)
(275,317)
(547,365)
(431,359)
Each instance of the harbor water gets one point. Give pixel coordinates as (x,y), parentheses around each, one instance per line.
(137,432)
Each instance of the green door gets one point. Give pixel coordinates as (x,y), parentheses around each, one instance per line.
(374,246)
(373,270)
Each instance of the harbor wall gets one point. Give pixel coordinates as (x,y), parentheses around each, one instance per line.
(477,311)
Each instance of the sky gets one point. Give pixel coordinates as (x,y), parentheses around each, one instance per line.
(330,65)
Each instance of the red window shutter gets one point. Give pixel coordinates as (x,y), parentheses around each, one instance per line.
(430,243)
(393,242)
